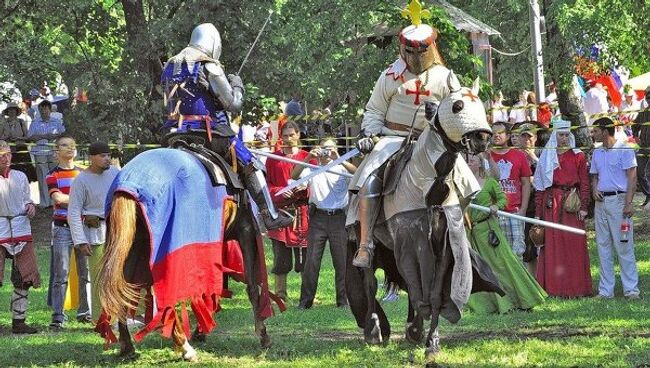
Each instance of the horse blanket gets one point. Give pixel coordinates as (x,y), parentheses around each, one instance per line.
(184,217)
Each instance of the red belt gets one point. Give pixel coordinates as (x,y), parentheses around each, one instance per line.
(204,118)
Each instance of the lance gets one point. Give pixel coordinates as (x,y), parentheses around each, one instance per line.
(254,42)
(272,156)
(471,205)
(532,220)
(319,171)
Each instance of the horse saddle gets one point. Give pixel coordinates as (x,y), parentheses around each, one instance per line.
(218,170)
(395,166)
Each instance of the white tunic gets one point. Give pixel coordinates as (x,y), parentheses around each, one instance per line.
(396,99)
(14,197)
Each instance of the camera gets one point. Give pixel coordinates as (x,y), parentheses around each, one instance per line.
(324,152)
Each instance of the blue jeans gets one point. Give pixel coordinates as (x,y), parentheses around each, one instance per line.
(59,270)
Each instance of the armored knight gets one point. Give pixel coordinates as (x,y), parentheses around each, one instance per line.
(396,109)
(198,97)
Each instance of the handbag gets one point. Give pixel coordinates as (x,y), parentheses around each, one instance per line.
(572,201)
(493,238)
(536,235)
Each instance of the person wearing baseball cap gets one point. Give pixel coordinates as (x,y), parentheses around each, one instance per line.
(86,210)
(614,170)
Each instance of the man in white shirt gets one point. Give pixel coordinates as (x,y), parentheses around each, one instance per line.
(595,101)
(328,200)
(518,112)
(613,170)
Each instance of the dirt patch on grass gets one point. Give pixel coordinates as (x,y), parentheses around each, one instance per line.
(545,334)
(540,334)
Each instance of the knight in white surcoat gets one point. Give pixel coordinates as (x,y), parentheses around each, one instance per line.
(395,111)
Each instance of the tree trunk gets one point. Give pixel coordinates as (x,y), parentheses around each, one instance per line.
(562,69)
(139,46)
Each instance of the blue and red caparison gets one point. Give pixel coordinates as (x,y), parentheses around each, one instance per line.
(184,216)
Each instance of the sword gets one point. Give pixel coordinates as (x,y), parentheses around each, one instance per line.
(320,170)
(254,43)
(532,220)
(297,162)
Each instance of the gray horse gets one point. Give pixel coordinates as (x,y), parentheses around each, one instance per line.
(422,226)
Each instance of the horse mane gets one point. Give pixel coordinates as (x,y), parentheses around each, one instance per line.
(115,293)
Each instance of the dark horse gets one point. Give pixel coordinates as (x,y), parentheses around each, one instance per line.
(168,229)
(420,239)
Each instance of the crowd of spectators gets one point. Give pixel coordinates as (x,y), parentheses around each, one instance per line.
(34,147)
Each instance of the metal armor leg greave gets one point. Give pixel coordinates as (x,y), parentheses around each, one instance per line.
(369,204)
(256,184)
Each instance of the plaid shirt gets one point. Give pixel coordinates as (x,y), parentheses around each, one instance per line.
(40,127)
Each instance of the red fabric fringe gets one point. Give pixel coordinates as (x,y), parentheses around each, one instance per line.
(103,327)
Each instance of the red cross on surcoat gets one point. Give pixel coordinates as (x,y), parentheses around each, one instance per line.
(419,91)
(470,95)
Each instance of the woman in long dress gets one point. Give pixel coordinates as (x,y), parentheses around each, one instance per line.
(522,291)
(563,264)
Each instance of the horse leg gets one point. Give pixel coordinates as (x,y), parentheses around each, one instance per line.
(433,341)
(414,325)
(181,342)
(198,336)
(372,331)
(248,244)
(127,350)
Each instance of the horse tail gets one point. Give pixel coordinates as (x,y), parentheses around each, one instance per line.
(117,295)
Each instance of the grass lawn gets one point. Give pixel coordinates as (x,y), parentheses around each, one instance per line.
(561,333)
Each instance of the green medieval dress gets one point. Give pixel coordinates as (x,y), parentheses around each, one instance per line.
(522,290)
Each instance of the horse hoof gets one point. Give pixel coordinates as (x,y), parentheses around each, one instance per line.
(127,352)
(373,335)
(414,334)
(189,354)
(265,342)
(430,355)
(198,337)
(192,358)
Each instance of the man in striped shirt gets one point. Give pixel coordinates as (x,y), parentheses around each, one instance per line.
(59,181)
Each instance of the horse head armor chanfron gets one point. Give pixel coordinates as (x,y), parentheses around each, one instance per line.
(461,117)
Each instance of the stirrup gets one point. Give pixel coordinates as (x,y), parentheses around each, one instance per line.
(363,263)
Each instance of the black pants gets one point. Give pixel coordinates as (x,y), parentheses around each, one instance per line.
(283,258)
(642,178)
(323,227)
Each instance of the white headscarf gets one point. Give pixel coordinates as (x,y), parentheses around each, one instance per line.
(549,160)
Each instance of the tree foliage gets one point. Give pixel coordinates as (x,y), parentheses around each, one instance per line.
(324,50)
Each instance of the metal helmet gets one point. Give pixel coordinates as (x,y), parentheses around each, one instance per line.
(206,38)
(418,48)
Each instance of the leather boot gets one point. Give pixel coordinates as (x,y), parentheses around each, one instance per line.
(18,326)
(368,211)
(256,184)
(281,286)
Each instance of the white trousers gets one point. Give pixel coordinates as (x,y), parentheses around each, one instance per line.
(608,218)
